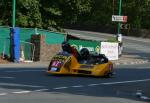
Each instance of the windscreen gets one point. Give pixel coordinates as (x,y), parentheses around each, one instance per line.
(57,62)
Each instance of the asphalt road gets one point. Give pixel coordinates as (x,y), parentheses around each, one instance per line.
(31,85)
(34,86)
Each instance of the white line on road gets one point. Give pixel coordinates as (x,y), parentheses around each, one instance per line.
(61,88)
(124,82)
(21,92)
(2,94)
(7,77)
(77,86)
(41,90)
(22,85)
(93,84)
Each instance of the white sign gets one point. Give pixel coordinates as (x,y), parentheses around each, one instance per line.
(110,50)
(119,18)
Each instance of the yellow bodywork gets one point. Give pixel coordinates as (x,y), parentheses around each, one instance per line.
(72,66)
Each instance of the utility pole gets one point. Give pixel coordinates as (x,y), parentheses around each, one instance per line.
(14,14)
(113,7)
(120,7)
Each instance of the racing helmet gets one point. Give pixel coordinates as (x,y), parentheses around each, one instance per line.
(65,46)
(84,53)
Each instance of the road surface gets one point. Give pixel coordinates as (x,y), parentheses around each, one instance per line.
(30,84)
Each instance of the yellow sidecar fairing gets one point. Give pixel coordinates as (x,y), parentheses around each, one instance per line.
(68,64)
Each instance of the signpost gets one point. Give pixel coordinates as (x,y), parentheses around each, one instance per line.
(125,26)
(119,18)
(14,13)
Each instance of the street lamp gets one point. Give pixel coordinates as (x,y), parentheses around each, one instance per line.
(14,14)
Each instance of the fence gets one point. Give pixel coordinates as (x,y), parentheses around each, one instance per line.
(25,38)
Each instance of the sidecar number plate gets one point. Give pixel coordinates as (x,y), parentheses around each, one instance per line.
(53,69)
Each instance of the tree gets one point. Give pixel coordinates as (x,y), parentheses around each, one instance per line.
(138,13)
(28,13)
(5,13)
(57,13)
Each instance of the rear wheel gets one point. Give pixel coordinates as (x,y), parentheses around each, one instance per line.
(111,72)
(110,75)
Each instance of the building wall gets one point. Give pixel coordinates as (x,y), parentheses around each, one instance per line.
(43,51)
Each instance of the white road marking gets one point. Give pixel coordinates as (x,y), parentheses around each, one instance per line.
(7,77)
(21,92)
(61,88)
(145,98)
(41,90)
(124,82)
(93,84)
(77,86)
(132,62)
(16,71)
(2,94)
(33,86)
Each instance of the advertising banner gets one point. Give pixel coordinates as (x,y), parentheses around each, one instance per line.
(92,46)
(110,49)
